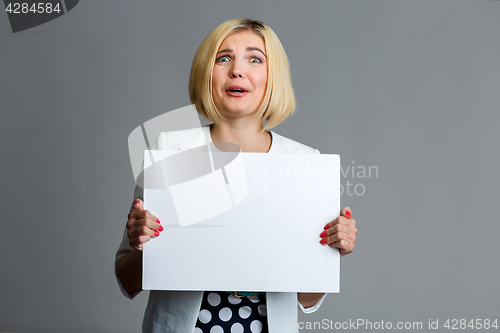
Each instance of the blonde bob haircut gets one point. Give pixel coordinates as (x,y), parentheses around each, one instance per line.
(279,99)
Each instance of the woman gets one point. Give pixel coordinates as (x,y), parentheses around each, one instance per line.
(239,79)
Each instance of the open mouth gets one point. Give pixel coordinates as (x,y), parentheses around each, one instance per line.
(236,90)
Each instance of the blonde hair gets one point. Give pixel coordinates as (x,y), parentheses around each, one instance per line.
(279,99)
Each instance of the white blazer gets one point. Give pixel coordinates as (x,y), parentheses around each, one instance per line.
(177,311)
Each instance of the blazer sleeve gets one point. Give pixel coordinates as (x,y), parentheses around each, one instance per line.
(124,248)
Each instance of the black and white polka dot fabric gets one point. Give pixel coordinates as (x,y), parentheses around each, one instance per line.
(221,312)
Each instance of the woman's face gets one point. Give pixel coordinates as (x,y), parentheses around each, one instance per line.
(240,75)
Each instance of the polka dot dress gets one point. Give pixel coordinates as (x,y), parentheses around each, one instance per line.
(221,312)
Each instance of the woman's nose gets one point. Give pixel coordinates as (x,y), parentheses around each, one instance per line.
(237,70)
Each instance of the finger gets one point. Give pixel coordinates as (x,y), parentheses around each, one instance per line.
(327,240)
(140,231)
(143,223)
(137,215)
(154,223)
(145,218)
(346,212)
(340,220)
(138,242)
(138,204)
(343,246)
(345,228)
(340,236)
(143,234)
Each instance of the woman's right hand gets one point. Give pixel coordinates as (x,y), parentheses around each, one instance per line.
(142,226)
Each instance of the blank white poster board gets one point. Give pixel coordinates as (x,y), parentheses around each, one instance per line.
(244,222)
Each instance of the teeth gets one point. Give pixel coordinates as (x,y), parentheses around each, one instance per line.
(237,90)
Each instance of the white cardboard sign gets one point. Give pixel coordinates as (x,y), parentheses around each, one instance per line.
(248,223)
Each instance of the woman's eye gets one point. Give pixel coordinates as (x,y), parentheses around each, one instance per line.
(255,60)
(223,59)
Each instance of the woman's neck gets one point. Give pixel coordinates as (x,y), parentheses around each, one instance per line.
(250,137)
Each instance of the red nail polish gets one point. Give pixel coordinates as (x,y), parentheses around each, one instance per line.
(323,241)
(323,234)
(348,214)
(160,228)
(327,226)
(136,203)
(157,233)
(157,221)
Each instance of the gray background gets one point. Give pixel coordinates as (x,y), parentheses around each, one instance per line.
(411,87)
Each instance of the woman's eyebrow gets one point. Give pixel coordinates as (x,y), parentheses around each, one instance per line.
(225,50)
(250,48)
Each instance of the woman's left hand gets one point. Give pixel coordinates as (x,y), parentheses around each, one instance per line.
(341,232)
